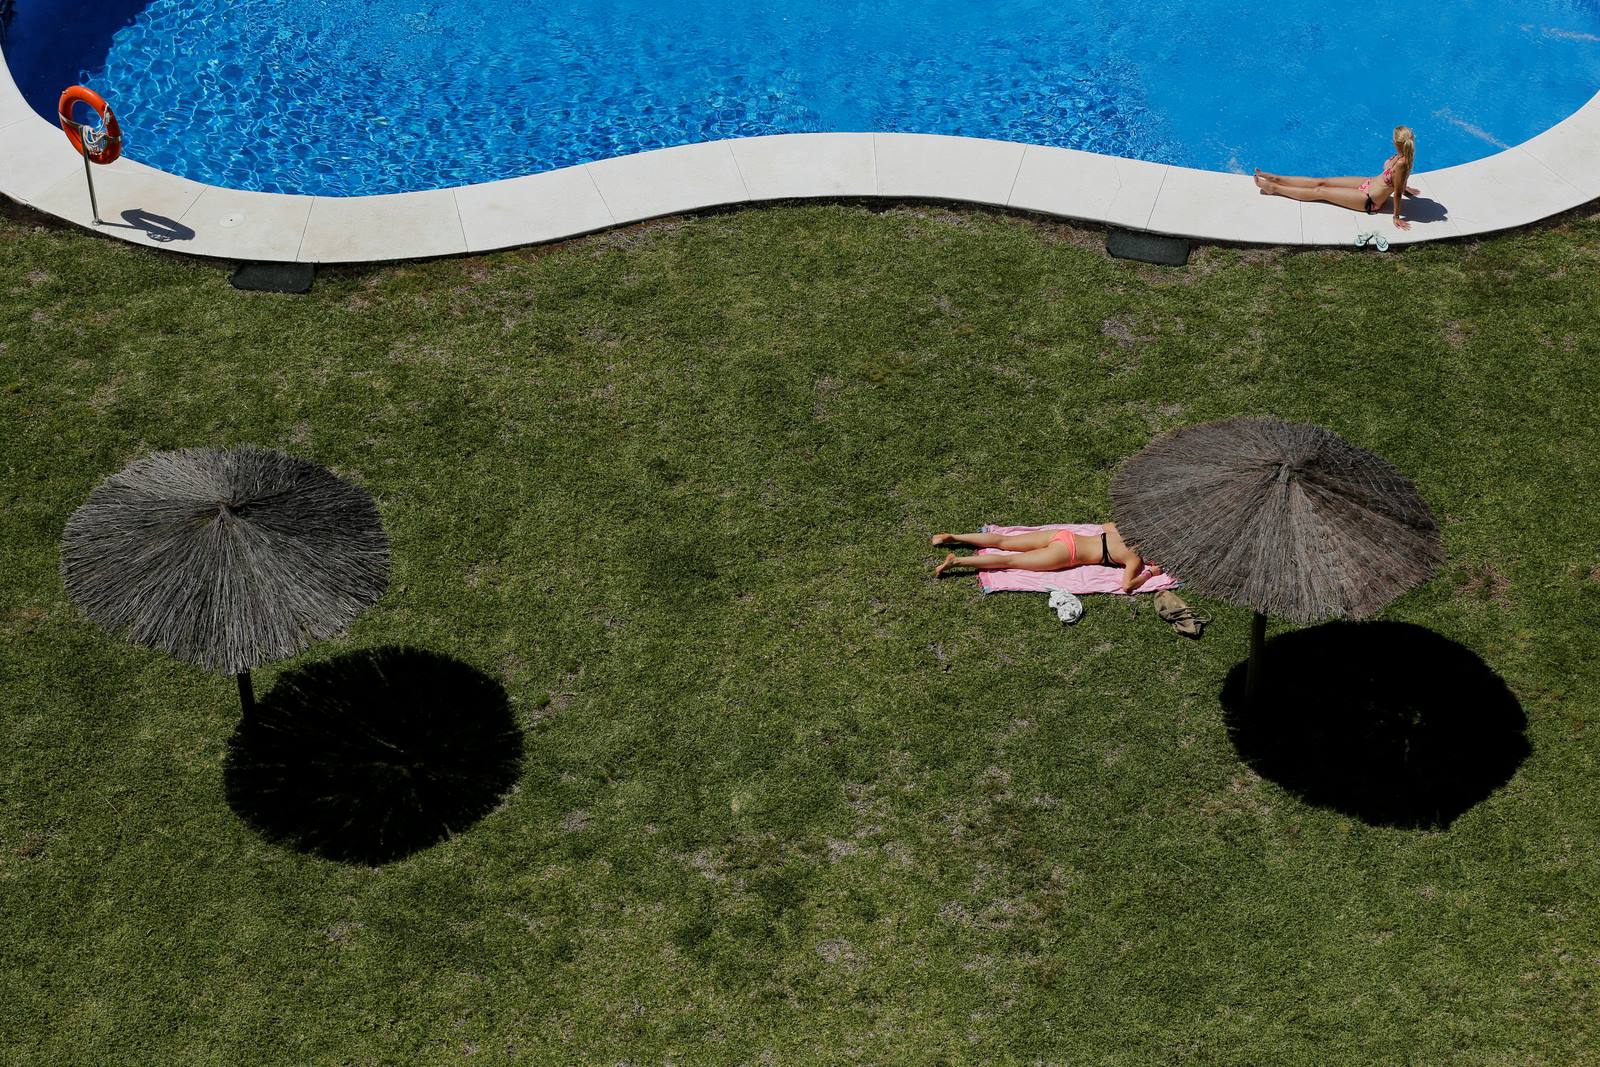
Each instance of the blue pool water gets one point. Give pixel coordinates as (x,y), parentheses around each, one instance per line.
(343,97)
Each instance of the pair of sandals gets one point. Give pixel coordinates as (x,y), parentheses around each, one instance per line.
(1180,616)
(1378,240)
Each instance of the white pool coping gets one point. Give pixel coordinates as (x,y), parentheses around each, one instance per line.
(1553,172)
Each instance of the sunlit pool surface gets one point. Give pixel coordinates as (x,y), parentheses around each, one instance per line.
(346,97)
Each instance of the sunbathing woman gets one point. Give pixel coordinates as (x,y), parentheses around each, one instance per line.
(1357,194)
(1050,550)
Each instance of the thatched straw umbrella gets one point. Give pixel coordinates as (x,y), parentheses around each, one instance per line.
(1283,518)
(226,558)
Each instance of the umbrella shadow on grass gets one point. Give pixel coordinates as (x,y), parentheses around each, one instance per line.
(1385,721)
(373,755)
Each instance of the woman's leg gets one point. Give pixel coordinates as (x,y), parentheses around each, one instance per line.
(1354,199)
(1021,542)
(1053,558)
(1310,183)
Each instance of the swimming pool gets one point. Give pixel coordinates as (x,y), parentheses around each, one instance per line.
(346,97)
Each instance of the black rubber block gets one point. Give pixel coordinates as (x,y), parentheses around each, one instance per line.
(273,277)
(1148,248)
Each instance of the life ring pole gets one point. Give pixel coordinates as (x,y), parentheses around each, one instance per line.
(88,176)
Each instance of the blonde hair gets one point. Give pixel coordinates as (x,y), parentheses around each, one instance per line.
(1406,142)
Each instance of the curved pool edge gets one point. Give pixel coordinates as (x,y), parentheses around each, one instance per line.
(1551,173)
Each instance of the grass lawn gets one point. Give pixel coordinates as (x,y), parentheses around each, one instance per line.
(783,797)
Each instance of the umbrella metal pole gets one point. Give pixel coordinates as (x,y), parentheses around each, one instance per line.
(247,695)
(1258,641)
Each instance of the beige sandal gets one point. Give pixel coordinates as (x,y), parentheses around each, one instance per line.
(1183,619)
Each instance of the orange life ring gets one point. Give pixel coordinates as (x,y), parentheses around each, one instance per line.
(99,150)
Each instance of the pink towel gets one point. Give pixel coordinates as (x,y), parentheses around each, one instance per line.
(1080,580)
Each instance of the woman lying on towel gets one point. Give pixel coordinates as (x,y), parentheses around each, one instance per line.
(1050,550)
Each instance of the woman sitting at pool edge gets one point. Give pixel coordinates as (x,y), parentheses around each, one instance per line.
(1050,550)
(1357,194)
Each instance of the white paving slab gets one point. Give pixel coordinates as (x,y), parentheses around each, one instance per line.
(1509,189)
(226,220)
(539,207)
(669,180)
(1325,224)
(1572,149)
(34,155)
(807,164)
(1223,207)
(137,203)
(1082,185)
(947,168)
(12,106)
(358,229)
(1428,214)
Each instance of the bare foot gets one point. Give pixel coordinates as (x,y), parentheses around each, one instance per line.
(941,539)
(938,572)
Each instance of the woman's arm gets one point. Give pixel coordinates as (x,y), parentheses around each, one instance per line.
(1401,176)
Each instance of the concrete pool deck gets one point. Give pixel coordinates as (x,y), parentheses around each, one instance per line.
(1553,172)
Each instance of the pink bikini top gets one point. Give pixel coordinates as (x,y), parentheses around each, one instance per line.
(1388,170)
